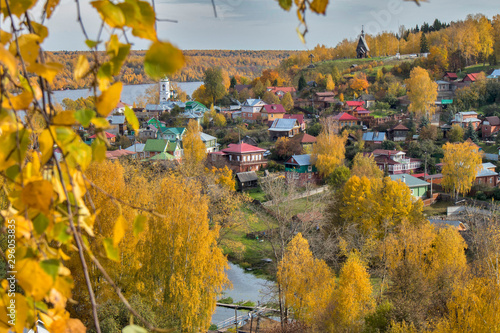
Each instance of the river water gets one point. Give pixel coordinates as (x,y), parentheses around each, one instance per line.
(246,287)
(129,92)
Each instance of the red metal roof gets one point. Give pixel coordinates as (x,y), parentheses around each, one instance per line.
(360,108)
(274,108)
(344,116)
(355,103)
(242,148)
(108,136)
(471,77)
(298,117)
(283,89)
(451,75)
(400,127)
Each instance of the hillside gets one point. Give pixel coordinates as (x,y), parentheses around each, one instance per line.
(244,63)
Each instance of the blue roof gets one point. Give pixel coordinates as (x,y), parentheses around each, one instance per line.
(495,74)
(374,136)
(138,147)
(283,125)
(301,159)
(252,102)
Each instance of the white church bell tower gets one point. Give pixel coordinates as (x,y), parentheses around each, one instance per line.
(164,90)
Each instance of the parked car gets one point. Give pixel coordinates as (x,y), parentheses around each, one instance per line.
(267,153)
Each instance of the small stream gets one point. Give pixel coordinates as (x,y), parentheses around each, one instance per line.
(246,287)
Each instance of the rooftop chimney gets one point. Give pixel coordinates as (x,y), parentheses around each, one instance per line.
(404,179)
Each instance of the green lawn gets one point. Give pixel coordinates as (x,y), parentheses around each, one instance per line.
(476,69)
(439,208)
(248,253)
(493,149)
(306,204)
(256,194)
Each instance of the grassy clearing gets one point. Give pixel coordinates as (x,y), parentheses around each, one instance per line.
(477,69)
(248,253)
(256,194)
(493,149)
(306,204)
(439,208)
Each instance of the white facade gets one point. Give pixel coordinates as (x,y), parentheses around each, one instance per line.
(165,92)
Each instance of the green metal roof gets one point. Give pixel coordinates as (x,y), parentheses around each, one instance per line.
(172,146)
(174,130)
(409,180)
(447,101)
(162,157)
(195,106)
(156,145)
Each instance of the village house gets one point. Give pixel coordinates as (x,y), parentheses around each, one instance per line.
(465,118)
(283,128)
(120,154)
(395,162)
(472,77)
(304,140)
(246,180)
(154,147)
(344,119)
(299,118)
(270,112)
(418,187)
(172,133)
(373,139)
(359,112)
(323,100)
(351,105)
(250,110)
(487,175)
(299,169)
(240,157)
(149,132)
(117,124)
(398,133)
(490,126)
(138,149)
(368,99)
(110,136)
(281,91)
(210,142)
(450,76)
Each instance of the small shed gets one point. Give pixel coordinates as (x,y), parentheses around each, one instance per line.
(247,179)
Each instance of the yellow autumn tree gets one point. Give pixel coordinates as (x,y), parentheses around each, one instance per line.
(359,83)
(330,85)
(363,165)
(306,283)
(352,299)
(329,150)
(461,162)
(189,273)
(422,92)
(194,149)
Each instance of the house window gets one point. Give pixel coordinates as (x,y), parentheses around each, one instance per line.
(310,168)
(412,191)
(310,176)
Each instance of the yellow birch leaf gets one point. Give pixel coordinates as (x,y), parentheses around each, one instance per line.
(50,5)
(119,230)
(98,150)
(40,30)
(22,311)
(5,37)
(8,60)
(46,144)
(38,195)
(100,123)
(18,102)
(110,13)
(319,6)
(33,279)
(48,71)
(109,99)
(132,119)
(29,45)
(18,8)
(75,326)
(81,68)
(161,59)
(64,118)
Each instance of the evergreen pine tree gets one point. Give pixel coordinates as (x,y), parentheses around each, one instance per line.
(424,47)
(302,83)
(424,122)
(233,82)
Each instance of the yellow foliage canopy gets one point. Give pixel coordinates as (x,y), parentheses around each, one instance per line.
(422,92)
(461,163)
(328,152)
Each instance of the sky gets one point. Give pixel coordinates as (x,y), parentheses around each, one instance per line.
(263,25)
